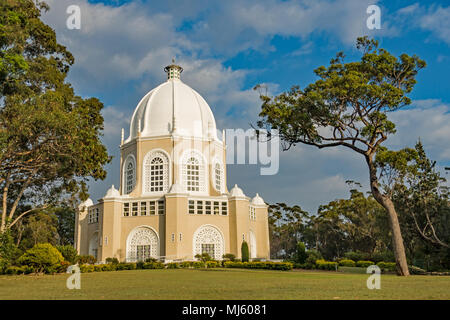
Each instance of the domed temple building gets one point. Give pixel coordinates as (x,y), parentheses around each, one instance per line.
(173,201)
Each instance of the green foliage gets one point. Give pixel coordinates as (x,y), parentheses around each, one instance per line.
(348,106)
(42,257)
(244,251)
(8,250)
(313,256)
(87,259)
(154,265)
(301,254)
(356,255)
(112,260)
(387,266)
(173,265)
(186,264)
(364,264)
(286,226)
(203,257)
(51,135)
(212,264)
(326,265)
(259,265)
(199,264)
(69,253)
(347,263)
(229,256)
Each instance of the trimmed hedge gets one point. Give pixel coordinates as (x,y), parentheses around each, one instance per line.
(347,263)
(387,266)
(326,265)
(364,264)
(259,265)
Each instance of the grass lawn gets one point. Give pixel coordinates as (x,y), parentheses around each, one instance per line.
(223,284)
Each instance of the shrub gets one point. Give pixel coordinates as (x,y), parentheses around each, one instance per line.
(9,253)
(229,256)
(212,264)
(300,254)
(86,260)
(173,265)
(347,263)
(357,256)
(151,260)
(203,257)
(198,264)
(153,265)
(244,251)
(63,267)
(186,264)
(69,253)
(112,260)
(313,256)
(364,264)
(326,265)
(259,265)
(98,268)
(13,270)
(387,266)
(140,265)
(384,256)
(43,257)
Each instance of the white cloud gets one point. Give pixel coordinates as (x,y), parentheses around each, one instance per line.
(429,120)
(437,20)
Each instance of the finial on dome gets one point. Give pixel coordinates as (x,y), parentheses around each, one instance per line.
(173,70)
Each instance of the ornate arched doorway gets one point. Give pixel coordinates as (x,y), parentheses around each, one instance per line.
(142,243)
(209,239)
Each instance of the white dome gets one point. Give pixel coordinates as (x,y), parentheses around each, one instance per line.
(258,201)
(236,192)
(112,193)
(173,104)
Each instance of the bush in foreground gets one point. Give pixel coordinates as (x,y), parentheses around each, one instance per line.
(259,265)
(43,257)
(347,263)
(326,265)
(364,264)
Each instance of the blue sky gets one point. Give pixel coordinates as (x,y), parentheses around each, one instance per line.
(227,47)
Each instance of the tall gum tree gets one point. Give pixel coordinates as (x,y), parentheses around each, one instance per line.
(348,106)
(49,137)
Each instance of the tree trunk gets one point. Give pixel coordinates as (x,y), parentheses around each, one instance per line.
(388,205)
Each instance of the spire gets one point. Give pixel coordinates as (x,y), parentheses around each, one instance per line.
(173,71)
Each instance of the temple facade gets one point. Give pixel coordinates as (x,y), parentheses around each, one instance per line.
(173,201)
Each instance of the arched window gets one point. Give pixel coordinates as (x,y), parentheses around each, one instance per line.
(129,175)
(193,174)
(218,174)
(156,172)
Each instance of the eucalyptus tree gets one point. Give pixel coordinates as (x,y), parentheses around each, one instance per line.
(49,137)
(348,106)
